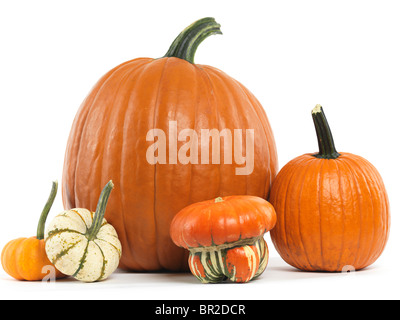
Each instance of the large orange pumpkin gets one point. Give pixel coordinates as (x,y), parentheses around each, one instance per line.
(113,131)
(332,208)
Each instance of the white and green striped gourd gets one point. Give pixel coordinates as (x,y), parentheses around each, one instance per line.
(82,244)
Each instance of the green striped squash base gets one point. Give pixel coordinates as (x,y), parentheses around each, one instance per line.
(240,263)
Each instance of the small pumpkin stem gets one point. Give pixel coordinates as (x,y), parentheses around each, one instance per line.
(46,210)
(326,144)
(100,211)
(219,199)
(186,44)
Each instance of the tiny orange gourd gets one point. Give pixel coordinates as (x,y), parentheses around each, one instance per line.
(332,208)
(25,258)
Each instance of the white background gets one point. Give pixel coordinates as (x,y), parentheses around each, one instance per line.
(344,55)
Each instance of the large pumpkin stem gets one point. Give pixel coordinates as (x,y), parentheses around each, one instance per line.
(100,211)
(186,44)
(326,144)
(46,210)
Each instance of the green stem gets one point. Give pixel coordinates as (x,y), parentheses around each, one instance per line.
(46,210)
(100,211)
(186,44)
(326,144)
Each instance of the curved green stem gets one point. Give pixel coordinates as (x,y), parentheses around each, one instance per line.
(100,211)
(186,44)
(46,210)
(326,144)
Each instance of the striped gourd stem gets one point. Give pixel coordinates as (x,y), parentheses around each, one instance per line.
(100,211)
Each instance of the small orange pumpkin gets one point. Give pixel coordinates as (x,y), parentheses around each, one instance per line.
(332,208)
(25,258)
(225,237)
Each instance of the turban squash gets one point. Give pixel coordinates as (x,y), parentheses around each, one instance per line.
(108,140)
(332,208)
(225,237)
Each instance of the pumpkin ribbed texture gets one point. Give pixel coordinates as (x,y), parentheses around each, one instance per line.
(25,259)
(332,212)
(108,141)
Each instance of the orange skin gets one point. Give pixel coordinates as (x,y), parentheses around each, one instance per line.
(331,213)
(25,258)
(196,267)
(233,218)
(239,264)
(108,141)
(225,237)
(237,260)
